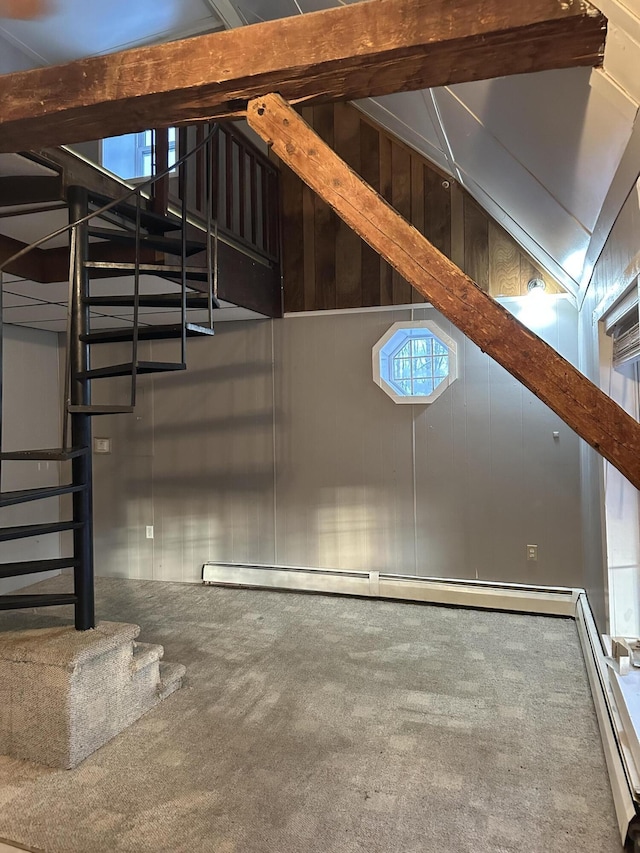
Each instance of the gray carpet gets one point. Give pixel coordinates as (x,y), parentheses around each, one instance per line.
(313,724)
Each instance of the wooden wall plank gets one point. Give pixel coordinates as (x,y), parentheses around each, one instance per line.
(457,224)
(417,206)
(291,189)
(504,263)
(476,243)
(386,191)
(438,215)
(325,222)
(401,200)
(342,271)
(309,235)
(370,171)
(346,127)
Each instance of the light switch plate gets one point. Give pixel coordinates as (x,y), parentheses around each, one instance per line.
(101,445)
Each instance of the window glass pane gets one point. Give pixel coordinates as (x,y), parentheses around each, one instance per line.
(146,163)
(441,366)
(422,387)
(405,351)
(119,155)
(421,366)
(419,346)
(404,385)
(131,156)
(401,368)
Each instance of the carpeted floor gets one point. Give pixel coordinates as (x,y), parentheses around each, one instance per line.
(313,724)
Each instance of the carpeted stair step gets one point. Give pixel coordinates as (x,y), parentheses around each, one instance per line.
(171,675)
(144,655)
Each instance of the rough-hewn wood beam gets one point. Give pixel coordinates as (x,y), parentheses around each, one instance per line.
(583,406)
(364,49)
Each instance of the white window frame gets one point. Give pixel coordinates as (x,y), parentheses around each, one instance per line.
(396,329)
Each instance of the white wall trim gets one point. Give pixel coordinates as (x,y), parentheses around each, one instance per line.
(623,776)
(416,306)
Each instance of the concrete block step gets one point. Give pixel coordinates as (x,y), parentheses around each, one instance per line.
(145,654)
(171,675)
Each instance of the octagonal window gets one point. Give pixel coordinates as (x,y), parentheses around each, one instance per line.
(414,362)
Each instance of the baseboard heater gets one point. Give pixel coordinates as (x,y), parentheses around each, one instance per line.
(554,601)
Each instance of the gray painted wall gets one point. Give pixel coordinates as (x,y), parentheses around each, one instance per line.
(277,447)
(618,265)
(31,419)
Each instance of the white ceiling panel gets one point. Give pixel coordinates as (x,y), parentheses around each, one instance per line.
(79,28)
(46,325)
(481,156)
(37,312)
(32,227)
(406,116)
(14,164)
(42,292)
(254,11)
(569,137)
(622,59)
(12,300)
(233,314)
(149,285)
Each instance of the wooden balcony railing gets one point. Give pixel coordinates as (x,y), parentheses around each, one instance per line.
(244,187)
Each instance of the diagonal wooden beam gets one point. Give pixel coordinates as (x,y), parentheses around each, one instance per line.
(583,406)
(356,51)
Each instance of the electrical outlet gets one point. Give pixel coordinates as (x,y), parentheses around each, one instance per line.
(149,531)
(532,553)
(101,445)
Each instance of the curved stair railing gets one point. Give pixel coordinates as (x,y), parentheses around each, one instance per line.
(142,234)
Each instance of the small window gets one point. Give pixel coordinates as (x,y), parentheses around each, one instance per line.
(414,362)
(131,156)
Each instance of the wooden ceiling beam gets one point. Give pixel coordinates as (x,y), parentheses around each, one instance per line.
(356,51)
(583,406)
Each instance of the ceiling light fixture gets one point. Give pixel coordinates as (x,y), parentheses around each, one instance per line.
(536,285)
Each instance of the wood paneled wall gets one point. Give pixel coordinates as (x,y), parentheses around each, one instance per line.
(326,265)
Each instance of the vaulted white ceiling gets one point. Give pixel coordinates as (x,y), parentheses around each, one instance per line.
(551,156)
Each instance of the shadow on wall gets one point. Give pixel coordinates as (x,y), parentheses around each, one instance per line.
(226,423)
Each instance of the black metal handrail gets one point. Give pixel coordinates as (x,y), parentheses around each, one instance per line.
(77,382)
